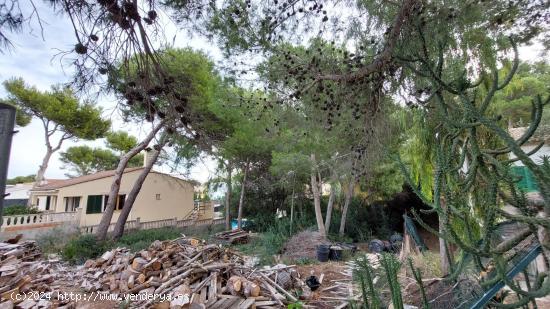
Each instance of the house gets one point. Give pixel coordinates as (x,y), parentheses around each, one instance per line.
(17,194)
(541,136)
(162,196)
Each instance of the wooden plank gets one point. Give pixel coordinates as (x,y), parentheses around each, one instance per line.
(247,303)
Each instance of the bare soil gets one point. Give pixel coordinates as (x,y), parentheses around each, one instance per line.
(334,273)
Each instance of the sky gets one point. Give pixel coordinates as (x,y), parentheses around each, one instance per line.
(35,59)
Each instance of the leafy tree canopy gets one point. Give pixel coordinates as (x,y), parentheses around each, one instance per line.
(85,160)
(514,102)
(120,141)
(59,106)
(20,179)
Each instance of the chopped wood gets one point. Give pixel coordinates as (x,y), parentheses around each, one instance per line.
(193,273)
(237,236)
(247,303)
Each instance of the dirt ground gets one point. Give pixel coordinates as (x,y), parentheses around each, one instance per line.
(335,275)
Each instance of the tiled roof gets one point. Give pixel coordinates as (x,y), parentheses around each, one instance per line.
(56,184)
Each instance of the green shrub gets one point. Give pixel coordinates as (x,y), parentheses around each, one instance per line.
(273,238)
(55,240)
(84,247)
(20,210)
(138,240)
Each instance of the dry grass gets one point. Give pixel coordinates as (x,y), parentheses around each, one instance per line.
(428,263)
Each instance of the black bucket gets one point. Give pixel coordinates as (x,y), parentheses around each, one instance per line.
(323,252)
(335,253)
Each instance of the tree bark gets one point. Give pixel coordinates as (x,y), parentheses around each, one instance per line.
(349,195)
(42,169)
(315,190)
(131,198)
(228,198)
(330,203)
(115,185)
(241,200)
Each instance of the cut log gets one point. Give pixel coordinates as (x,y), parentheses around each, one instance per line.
(138,264)
(234,285)
(251,289)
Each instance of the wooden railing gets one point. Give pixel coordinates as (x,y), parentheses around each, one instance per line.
(41,218)
(138,225)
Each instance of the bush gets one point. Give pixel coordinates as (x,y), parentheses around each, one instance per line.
(20,210)
(139,240)
(84,247)
(55,240)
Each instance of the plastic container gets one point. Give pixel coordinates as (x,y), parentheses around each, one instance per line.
(376,246)
(323,252)
(335,253)
(313,283)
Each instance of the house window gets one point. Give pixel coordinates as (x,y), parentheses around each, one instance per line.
(158,196)
(72,203)
(98,203)
(94,205)
(105,200)
(48,202)
(120,201)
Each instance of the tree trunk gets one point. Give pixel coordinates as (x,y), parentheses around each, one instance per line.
(103,227)
(349,195)
(228,198)
(42,169)
(317,198)
(329,208)
(241,200)
(131,198)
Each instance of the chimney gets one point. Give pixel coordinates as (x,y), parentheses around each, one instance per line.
(148,155)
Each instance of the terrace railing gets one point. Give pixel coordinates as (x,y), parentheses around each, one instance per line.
(39,219)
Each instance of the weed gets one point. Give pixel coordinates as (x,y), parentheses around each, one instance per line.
(305,261)
(54,241)
(428,263)
(84,247)
(271,241)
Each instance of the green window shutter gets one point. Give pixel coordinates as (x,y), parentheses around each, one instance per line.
(527,182)
(530,181)
(94,204)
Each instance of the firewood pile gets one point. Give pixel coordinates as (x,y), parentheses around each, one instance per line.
(186,272)
(22,274)
(25,251)
(237,236)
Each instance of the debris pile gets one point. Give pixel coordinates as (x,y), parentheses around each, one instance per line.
(303,245)
(393,245)
(237,236)
(21,273)
(187,270)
